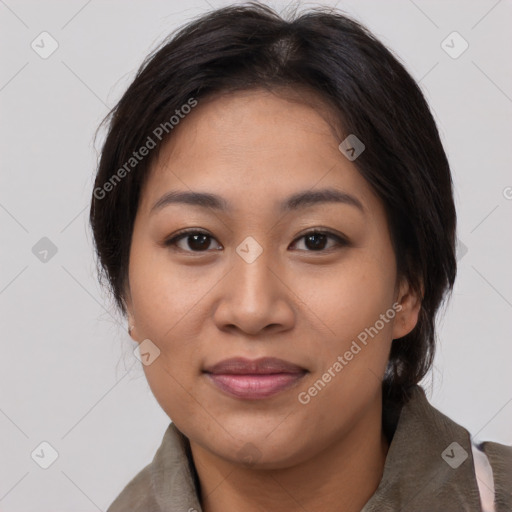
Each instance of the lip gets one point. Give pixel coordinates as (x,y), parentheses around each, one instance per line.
(254,379)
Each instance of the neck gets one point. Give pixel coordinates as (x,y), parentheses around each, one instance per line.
(342,477)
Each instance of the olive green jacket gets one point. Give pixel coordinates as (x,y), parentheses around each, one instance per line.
(430,466)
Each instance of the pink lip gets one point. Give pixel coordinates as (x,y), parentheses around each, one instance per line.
(254,379)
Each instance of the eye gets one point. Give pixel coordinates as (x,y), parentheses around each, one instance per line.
(191,240)
(316,241)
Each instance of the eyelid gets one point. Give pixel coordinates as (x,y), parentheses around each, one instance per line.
(183,233)
(340,239)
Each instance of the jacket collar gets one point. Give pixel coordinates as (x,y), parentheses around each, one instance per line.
(429,465)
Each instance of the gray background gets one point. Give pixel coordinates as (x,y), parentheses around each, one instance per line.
(67,372)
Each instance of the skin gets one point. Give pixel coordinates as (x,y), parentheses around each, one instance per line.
(255,148)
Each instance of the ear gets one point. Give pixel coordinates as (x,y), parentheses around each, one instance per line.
(132,328)
(406,317)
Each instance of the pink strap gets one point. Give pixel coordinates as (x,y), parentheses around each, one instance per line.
(484,478)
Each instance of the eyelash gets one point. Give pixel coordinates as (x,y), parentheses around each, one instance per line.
(341,242)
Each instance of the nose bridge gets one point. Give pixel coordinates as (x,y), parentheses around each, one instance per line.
(253,297)
(254,281)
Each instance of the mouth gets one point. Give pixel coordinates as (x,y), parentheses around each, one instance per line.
(254,379)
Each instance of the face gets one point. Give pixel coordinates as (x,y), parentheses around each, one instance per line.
(291,260)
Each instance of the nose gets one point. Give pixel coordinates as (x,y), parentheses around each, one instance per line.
(255,298)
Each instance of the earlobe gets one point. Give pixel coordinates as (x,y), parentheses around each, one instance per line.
(131,331)
(407,318)
(131,320)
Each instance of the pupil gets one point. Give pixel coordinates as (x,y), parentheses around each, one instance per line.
(198,242)
(318,244)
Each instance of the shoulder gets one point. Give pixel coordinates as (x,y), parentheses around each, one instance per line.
(433,462)
(136,496)
(167,483)
(499,457)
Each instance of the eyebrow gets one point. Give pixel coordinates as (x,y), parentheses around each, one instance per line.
(293,202)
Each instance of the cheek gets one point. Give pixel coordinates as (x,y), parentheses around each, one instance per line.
(349,297)
(167,310)
(353,354)
(171,388)
(164,295)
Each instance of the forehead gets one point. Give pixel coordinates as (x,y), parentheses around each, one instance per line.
(252,144)
(243,119)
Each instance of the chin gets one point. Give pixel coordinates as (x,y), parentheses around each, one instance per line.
(257,445)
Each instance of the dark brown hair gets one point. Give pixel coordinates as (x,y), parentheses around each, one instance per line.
(250,46)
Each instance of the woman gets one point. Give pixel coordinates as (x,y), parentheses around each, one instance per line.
(273,212)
